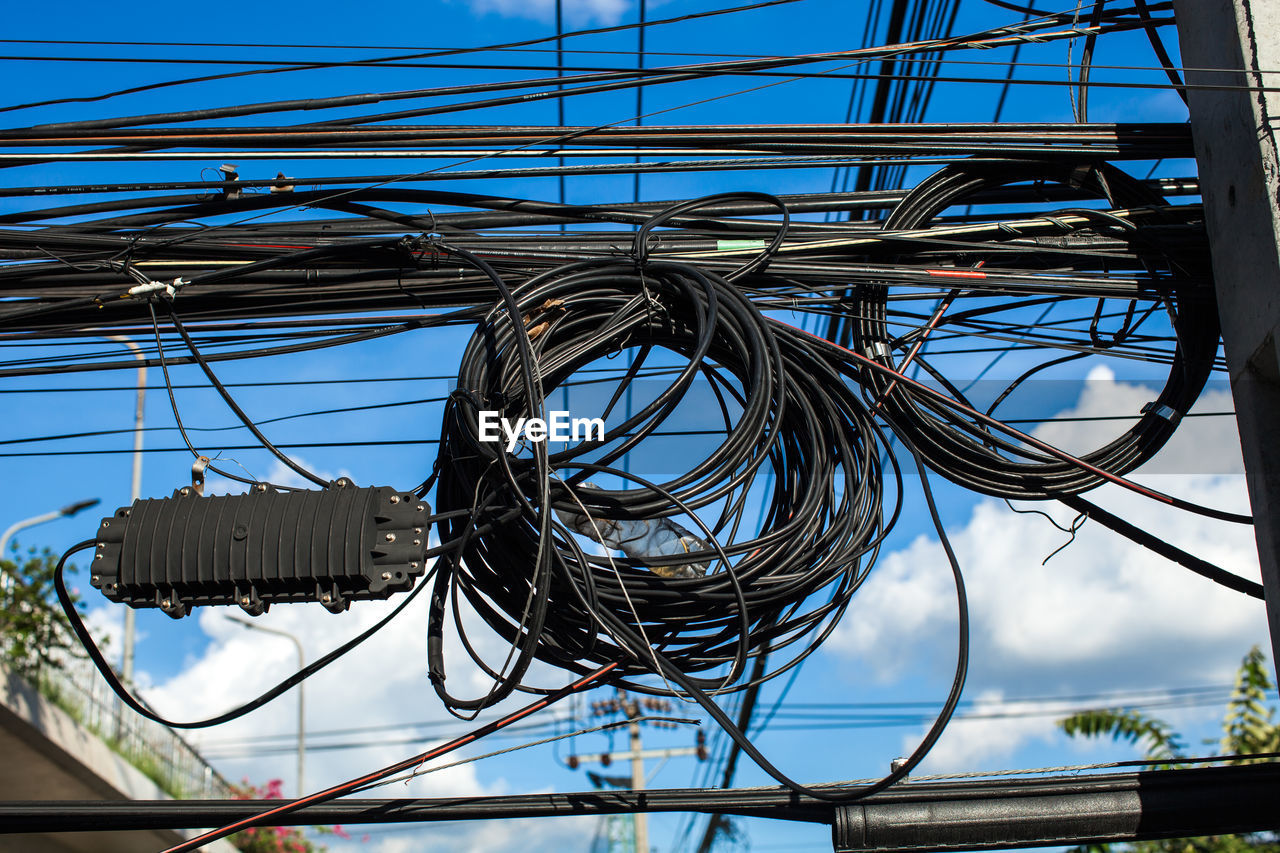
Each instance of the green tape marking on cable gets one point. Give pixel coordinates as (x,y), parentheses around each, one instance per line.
(739,245)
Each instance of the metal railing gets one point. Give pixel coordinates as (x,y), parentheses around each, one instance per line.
(160,753)
(71,682)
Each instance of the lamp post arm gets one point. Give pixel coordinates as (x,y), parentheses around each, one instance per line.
(23,525)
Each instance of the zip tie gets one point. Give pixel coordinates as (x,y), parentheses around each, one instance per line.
(1167,412)
(146,289)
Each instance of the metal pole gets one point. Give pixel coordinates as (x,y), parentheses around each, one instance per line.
(130,618)
(302,726)
(1233,127)
(637,775)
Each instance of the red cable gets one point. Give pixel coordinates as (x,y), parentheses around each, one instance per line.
(928,330)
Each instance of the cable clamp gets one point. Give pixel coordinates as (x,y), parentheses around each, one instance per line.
(148,288)
(877,349)
(1079,175)
(230,175)
(1167,412)
(197,475)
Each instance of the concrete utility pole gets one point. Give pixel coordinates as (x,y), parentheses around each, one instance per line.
(637,775)
(633,710)
(1234,130)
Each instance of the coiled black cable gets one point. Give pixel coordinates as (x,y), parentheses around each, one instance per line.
(785,412)
(965,451)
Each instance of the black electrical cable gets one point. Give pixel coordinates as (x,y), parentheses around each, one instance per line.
(691,688)
(1086,63)
(799,424)
(109,676)
(418,55)
(1162,55)
(750,605)
(231,403)
(1115,22)
(964,451)
(1165,549)
(177,416)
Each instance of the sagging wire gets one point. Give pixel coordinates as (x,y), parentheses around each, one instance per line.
(345,788)
(421,771)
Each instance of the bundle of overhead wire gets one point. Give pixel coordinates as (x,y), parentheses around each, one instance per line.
(716,568)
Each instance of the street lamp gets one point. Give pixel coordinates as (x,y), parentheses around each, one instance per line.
(130,618)
(70,509)
(6,581)
(302,731)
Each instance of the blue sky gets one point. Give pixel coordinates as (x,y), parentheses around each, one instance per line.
(1100,616)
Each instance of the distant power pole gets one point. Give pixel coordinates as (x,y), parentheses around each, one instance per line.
(1234,126)
(633,709)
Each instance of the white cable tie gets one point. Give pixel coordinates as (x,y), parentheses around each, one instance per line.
(139,291)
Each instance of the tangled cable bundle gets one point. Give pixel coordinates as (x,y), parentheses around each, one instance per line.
(783,411)
(965,450)
(528,538)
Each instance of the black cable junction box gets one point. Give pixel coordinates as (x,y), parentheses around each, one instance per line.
(333,545)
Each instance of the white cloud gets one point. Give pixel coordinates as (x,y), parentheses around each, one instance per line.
(968,743)
(106,623)
(557,833)
(576,12)
(382,682)
(1104,613)
(1200,446)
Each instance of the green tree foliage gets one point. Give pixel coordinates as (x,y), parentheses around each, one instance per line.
(1248,728)
(1158,739)
(33,633)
